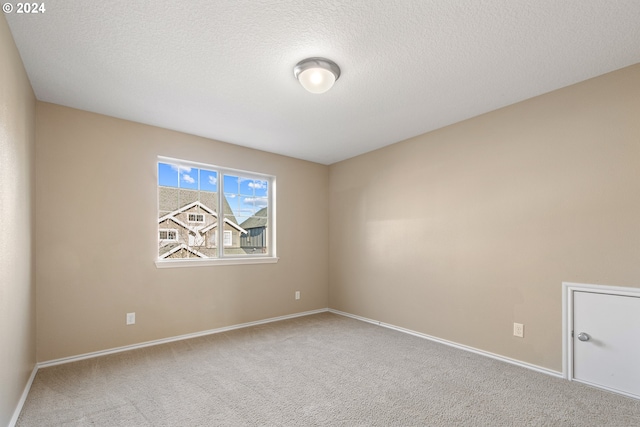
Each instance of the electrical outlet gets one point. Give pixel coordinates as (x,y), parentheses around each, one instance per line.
(131,318)
(518,330)
(297,294)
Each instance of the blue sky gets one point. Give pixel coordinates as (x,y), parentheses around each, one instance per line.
(245,196)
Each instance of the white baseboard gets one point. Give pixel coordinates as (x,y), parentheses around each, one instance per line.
(23,398)
(454,344)
(172,339)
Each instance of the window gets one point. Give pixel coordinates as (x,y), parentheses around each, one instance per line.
(196,200)
(168,235)
(195,217)
(228,239)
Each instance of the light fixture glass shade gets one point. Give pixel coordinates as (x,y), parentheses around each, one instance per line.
(317,75)
(316,80)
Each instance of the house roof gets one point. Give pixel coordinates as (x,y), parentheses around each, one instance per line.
(226,221)
(172,248)
(259,219)
(171,199)
(186,208)
(179,247)
(177,222)
(229,219)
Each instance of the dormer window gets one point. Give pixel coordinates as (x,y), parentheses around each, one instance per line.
(196,217)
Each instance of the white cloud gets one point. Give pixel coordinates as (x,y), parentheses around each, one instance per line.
(258,185)
(213,180)
(188,178)
(181,169)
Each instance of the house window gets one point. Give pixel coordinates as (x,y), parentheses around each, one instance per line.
(168,235)
(196,200)
(228,238)
(196,217)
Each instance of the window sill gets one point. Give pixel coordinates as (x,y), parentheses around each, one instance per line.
(217,261)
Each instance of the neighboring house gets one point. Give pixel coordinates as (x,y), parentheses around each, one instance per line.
(255,238)
(191,230)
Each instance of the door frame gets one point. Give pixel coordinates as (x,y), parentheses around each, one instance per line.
(568,289)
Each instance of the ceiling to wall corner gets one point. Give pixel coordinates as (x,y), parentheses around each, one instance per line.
(224,69)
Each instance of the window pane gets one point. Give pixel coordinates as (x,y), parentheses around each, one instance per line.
(248,209)
(245,187)
(167,175)
(208,180)
(231,204)
(189,178)
(231,184)
(189,209)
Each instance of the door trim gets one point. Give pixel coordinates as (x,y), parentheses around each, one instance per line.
(568,289)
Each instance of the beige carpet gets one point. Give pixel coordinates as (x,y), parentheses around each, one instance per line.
(320,370)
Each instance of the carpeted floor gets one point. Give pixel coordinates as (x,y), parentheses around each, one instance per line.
(320,370)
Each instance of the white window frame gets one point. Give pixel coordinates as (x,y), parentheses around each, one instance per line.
(231,259)
(168,230)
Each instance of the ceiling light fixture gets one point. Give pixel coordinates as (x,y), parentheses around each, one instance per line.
(317,75)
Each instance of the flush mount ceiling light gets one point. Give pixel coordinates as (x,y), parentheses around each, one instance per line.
(317,75)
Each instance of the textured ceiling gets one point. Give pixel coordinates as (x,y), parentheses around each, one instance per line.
(223,69)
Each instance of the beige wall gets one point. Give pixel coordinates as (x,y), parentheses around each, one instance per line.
(17,286)
(96,226)
(460,232)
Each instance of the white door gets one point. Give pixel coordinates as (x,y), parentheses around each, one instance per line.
(606,341)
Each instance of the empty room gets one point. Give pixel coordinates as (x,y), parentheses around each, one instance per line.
(320,213)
